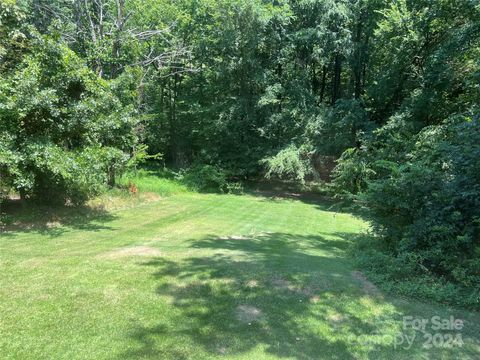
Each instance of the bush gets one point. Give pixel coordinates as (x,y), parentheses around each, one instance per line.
(402,275)
(70,177)
(424,205)
(204,177)
(235,188)
(288,164)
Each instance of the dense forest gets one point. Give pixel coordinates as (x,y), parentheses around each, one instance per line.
(387,90)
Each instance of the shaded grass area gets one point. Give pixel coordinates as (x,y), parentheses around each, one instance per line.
(17,217)
(202,276)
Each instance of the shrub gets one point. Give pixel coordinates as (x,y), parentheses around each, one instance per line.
(424,206)
(204,177)
(288,164)
(235,187)
(70,177)
(402,275)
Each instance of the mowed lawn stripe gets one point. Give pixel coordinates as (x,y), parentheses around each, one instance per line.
(198,276)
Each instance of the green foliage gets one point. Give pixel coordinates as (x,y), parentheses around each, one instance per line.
(72,176)
(64,132)
(336,129)
(401,275)
(351,174)
(425,210)
(290,163)
(414,175)
(204,178)
(13,39)
(258,83)
(235,187)
(153,179)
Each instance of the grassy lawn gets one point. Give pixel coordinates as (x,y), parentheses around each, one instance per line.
(197,276)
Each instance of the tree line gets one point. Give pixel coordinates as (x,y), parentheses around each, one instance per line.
(390,88)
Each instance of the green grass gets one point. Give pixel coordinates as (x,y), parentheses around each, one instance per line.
(155,181)
(201,276)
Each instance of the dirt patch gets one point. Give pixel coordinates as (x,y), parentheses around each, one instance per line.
(336,318)
(234,237)
(368,287)
(150,196)
(282,284)
(222,350)
(109,202)
(131,251)
(251,284)
(263,234)
(32,262)
(52,224)
(248,314)
(111,294)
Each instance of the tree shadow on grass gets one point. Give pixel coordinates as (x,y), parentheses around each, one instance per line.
(271,290)
(276,191)
(53,221)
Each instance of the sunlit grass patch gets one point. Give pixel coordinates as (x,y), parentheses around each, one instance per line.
(157,181)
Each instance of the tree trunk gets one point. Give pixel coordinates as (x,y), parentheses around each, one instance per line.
(23,196)
(111,175)
(337,71)
(119,23)
(323,83)
(359,60)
